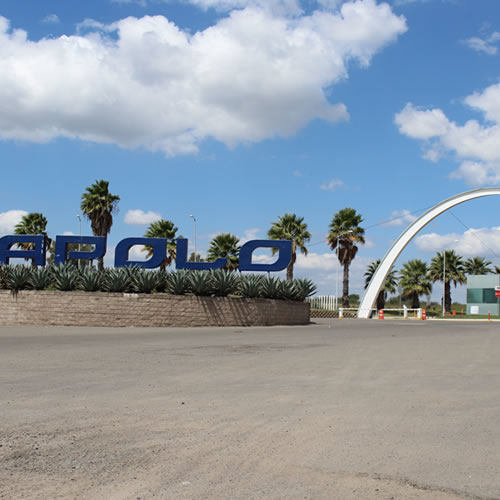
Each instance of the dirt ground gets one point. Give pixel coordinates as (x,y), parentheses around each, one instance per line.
(343,409)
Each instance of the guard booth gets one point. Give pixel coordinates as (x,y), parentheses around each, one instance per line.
(483,294)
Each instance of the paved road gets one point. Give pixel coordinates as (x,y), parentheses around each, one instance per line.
(343,409)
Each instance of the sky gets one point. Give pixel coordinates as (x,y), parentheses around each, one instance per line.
(238,111)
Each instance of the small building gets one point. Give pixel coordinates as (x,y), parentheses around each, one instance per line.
(481,294)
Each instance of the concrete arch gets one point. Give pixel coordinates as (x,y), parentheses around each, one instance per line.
(388,261)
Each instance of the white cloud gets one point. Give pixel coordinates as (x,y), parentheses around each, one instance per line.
(332,185)
(400,218)
(51,19)
(9,219)
(476,145)
(483,241)
(485,45)
(139,217)
(147,83)
(249,234)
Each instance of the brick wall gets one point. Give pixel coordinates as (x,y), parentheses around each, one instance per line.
(117,309)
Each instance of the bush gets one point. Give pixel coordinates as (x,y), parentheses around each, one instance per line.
(251,285)
(90,279)
(40,278)
(178,283)
(271,288)
(17,278)
(225,282)
(65,277)
(145,281)
(201,283)
(116,280)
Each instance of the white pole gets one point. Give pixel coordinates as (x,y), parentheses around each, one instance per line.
(337,281)
(444,281)
(194,220)
(80,234)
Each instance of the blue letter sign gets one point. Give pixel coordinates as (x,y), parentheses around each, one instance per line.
(37,253)
(181,261)
(284,256)
(62,254)
(159,252)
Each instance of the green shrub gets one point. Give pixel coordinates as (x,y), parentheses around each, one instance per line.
(17,278)
(162,277)
(305,288)
(201,282)
(40,278)
(132,272)
(251,285)
(116,280)
(4,272)
(225,282)
(271,288)
(145,281)
(65,277)
(178,283)
(90,279)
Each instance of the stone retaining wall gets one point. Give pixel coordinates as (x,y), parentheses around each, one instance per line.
(118,309)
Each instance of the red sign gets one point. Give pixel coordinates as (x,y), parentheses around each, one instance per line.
(497,293)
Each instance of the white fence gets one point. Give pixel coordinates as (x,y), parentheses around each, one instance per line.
(324,302)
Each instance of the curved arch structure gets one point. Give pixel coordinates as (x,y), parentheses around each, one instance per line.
(382,271)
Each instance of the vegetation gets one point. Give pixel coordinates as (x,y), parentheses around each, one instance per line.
(414,281)
(477,266)
(390,283)
(163,229)
(344,235)
(293,228)
(99,205)
(32,223)
(453,272)
(225,245)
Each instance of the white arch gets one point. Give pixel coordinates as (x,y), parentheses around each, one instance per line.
(382,271)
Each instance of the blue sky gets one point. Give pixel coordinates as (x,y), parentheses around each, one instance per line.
(238,111)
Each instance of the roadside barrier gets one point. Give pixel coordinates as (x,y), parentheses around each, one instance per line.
(424,314)
(381,314)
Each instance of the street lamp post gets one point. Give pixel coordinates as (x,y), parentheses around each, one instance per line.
(194,220)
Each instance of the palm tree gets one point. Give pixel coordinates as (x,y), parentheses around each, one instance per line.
(390,283)
(293,228)
(98,205)
(454,272)
(163,229)
(345,232)
(497,269)
(414,280)
(477,266)
(32,223)
(225,245)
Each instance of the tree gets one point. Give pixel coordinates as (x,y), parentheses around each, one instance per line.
(477,266)
(163,229)
(32,223)
(98,205)
(344,235)
(225,245)
(497,269)
(453,270)
(414,280)
(390,283)
(293,228)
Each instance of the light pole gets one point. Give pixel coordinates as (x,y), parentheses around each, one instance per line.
(339,239)
(194,219)
(80,234)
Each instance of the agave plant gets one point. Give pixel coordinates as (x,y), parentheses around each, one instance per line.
(4,272)
(289,290)
(251,285)
(116,280)
(65,277)
(178,283)
(271,288)
(40,278)
(145,281)
(162,278)
(225,282)
(201,282)
(90,279)
(304,288)
(132,272)
(17,278)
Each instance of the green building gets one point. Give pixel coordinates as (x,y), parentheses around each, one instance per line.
(481,294)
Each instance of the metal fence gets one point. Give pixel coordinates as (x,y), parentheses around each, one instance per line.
(323,302)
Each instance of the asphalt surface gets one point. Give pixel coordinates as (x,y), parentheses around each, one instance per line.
(342,409)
